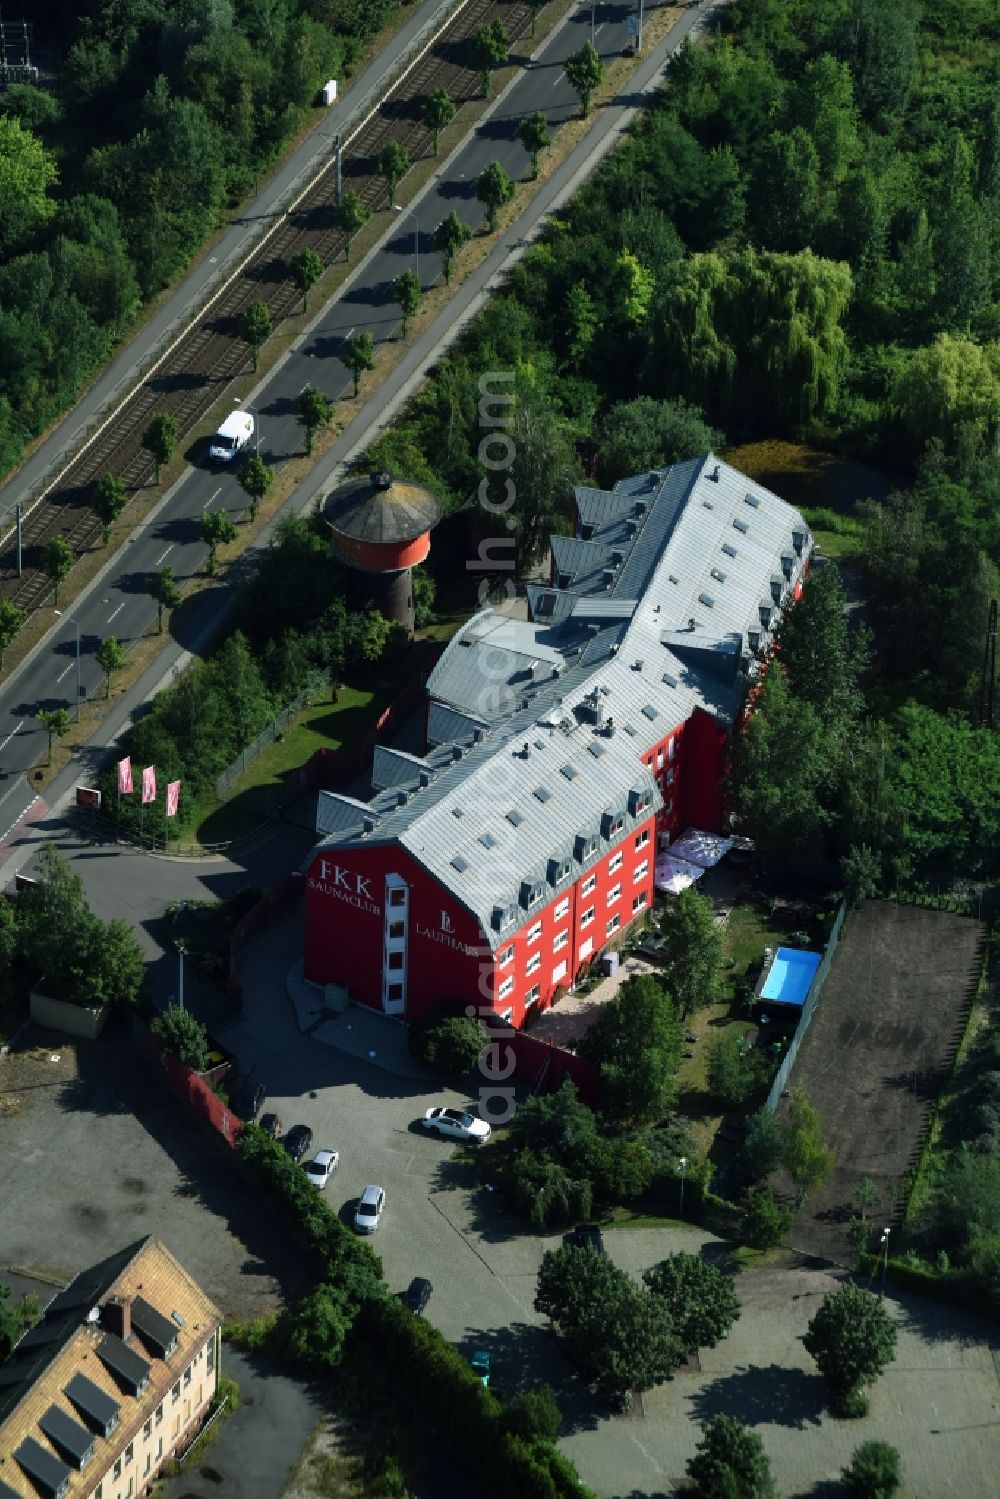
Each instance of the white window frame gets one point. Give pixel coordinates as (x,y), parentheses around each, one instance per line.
(613,926)
(535,932)
(589,885)
(668,779)
(559,972)
(507,987)
(562,909)
(532,997)
(560,940)
(507,1015)
(659,759)
(585,949)
(533,964)
(639,901)
(506,957)
(615,893)
(642,838)
(615,862)
(587,917)
(672,748)
(641,871)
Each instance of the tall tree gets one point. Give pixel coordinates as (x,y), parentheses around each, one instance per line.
(693,947)
(545,468)
(493,189)
(352,216)
(448,239)
(217,529)
(359,356)
(305,269)
(852,1338)
(183,1036)
(57,560)
(883,56)
(407,293)
(108,501)
(533,133)
(110,658)
(490,49)
(55,722)
(393,165)
(702,1302)
(646,434)
(585,72)
(636,1041)
(27,172)
(437,112)
(254,328)
(822,656)
(163,590)
(784,190)
(256,478)
(314,412)
(582,323)
(160,440)
(11,620)
(730,1463)
(807,1159)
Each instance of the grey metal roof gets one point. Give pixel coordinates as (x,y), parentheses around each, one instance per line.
(480,825)
(381,508)
(450,725)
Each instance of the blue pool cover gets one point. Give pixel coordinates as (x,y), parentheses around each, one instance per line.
(791,973)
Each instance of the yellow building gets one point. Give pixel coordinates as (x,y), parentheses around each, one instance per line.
(116,1378)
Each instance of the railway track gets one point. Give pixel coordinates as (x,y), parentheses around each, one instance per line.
(209,354)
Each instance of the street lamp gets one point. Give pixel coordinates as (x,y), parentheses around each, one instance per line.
(682,1163)
(60,615)
(416,240)
(885,1257)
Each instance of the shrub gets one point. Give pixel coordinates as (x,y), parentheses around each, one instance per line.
(733,1074)
(533,1413)
(730,1463)
(183,1036)
(852,1338)
(450,1044)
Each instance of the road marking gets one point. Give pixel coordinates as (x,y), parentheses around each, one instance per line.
(13,732)
(27,809)
(216,494)
(559,80)
(118,611)
(348,334)
(61,675)
(160,558)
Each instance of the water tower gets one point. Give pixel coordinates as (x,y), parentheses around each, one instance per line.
(381,526)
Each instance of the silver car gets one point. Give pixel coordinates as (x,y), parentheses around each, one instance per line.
(456,1124)
(369,1210)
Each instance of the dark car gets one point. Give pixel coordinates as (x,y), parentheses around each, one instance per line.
(271,1125)
(585,1236)
(417,1294)
(298,1141)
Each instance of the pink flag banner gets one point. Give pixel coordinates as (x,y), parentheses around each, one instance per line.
(173,797)
(149,784)
(125,786)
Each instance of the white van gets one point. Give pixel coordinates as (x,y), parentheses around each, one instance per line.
(233,436)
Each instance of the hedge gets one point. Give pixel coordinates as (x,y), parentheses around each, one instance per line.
(956,1286)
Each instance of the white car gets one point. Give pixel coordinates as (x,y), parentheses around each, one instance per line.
(456,1125)
(322,1166)
(369,1210)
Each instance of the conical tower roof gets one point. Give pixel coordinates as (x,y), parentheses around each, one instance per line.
(381,509)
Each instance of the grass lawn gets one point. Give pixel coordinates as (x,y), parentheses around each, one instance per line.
(325,724)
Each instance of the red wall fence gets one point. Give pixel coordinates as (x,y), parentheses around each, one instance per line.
(196,1092)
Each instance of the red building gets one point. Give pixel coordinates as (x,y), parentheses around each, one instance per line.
(563,752)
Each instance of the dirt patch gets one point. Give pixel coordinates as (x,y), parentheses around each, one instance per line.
(878,1052)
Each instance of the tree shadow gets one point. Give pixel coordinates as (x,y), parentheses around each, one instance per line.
(763,1395)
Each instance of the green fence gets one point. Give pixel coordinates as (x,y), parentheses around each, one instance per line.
(811,1001)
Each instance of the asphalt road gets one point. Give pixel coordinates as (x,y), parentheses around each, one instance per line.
(116,604)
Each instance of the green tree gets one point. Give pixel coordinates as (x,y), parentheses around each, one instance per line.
(732,1072)
(305,269)
(585,72)
(27,172)
(449,237)
(11,620)
(163,590)
(784,190)
(730,1463)
(546,466)
(883,56)
(254,327)
(645,433)
(217,529)
(183,1036)
(763,1146)
(693,945)
(493,189)
(582,323)
(951,384)
(852,1338)
(256,477)
(15,1320)
(765,1222)
(359,355)
(702,1302)
(822,656)
(532,1415)
(874,1471)
(535,6)
(108,500)
(314,412)
(636,285)
(352,216)
(826,109)
(424,595)
(861,871)
(807,1159)
(533,133)
(55,722)
(407,293)
(490,48)
(437,112)
(110,658)
(57,560)
(636,1041)
(450,1044)
(393,165)
(318,1326)
(160,440)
